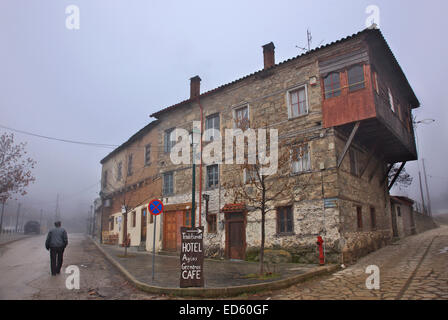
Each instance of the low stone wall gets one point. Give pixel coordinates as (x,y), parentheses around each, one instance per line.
(423,222)
(359,244)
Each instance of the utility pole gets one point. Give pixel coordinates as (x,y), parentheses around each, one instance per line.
(1,220)
(17,219)
(427,189)
(40,221)
(421,191)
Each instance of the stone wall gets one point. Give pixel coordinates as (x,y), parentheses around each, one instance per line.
(423,222)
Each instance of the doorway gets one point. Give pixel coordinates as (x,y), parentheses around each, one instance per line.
(144,224)
(235,235)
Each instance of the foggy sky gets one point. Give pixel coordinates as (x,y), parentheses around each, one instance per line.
(132,58)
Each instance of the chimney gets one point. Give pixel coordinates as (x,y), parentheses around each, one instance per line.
(268,55)
(195,87)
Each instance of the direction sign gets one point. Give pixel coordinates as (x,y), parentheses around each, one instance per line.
(192,257)
(155,207)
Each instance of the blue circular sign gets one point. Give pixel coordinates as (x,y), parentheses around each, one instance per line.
(155,207)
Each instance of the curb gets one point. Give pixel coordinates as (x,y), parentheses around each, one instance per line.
(221,291)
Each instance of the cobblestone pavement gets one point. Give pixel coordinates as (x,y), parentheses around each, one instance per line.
(414,268)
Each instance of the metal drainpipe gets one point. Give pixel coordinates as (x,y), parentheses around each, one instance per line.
(200,166)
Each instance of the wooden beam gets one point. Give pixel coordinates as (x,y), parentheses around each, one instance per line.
(387,173)
(397,174)
(369,158)
(348,143)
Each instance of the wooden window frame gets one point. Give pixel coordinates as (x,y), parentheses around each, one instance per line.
(147,154)
(373,222)
(334,91)
(359,218)
(130,163)
(212,219)
(359,85)
(289,101)
(284,220)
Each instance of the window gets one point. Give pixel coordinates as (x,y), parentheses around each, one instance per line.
(242,117)
(212,176)
(144,216)
(372,218)
(391,100)
(297,102)
(168,183)
(119,171)
(354,168)
(285,220)
(211,122)
(169,139)
(377,89)
(134,219)
(250,175)
(130,165)
(301,159)
(356,78)
(211,223)
(332,85)
(359,217)
(147,154)
(105,179)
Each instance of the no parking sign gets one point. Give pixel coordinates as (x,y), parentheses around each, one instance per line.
(155,207)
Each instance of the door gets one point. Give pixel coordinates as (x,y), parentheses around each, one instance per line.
(235,236)
(144,223)
(169,231)
(394,222)
(236,242)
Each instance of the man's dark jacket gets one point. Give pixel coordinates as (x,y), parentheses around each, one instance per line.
(56,238)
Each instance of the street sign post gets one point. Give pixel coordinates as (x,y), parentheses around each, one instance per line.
(155,207)
(192,257)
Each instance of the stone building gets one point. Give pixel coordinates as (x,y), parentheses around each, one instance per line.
(344,113)
(130,180)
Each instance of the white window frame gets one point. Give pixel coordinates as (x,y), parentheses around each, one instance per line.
(163,183)
(240,106)
(207,187)
(293,162)
(245,176)
(207,135)
(288,101)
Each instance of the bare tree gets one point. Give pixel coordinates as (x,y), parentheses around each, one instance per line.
(404,179)
(15,170)
(257,190)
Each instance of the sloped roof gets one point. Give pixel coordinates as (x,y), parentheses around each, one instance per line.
(374,32)
(133,138)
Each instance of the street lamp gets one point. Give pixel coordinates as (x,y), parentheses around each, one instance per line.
(193,144)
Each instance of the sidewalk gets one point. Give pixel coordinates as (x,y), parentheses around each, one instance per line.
(222,277)
(6,238)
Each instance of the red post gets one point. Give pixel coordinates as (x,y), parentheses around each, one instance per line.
(320,241)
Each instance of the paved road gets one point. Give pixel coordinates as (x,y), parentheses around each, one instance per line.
(414,268)
(25,272)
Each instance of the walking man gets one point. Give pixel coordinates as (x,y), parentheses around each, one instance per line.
(56,243)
